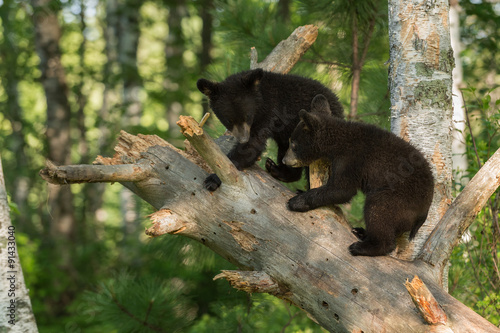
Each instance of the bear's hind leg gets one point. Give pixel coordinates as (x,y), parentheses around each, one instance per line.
(379,238)
(370,246)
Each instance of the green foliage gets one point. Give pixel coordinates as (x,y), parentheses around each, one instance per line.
(474,277)
(253,316)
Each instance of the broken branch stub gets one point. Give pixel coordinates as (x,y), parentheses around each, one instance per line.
(209,151)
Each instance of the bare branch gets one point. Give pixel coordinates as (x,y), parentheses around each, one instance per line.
(286,54)
(459,216)
(74,174)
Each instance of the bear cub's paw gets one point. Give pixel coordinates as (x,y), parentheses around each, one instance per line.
(298,204)
(356,249)
(360,233)
(274,170)
(212,182)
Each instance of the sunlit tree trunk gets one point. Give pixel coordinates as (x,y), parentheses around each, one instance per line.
(459,157)
(421,62)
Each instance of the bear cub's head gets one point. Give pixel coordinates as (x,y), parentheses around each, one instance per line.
(235,101)
(304,147)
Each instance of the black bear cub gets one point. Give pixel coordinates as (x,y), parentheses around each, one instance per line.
(394,176)
(256,105)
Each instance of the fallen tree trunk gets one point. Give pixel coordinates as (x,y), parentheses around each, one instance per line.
(300,257)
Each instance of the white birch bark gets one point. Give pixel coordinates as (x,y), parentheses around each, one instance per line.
(458,145)
(421,96)
(17,314)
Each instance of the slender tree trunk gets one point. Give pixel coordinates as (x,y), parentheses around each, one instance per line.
(458,149)
(358,60)
(53,79)
(284,10)
(127,36)
(421,62)
(17,313)
(61,223)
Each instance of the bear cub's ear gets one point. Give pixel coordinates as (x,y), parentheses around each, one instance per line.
(311,121)
(208,88)
(252,79)
(320,104)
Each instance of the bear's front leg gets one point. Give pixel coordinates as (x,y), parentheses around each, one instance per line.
(311,199)
(322,196)
(243,155)
(283,172)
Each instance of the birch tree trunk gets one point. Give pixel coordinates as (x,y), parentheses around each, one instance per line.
(300,257)
(17,314)
(421,63)
(459,157)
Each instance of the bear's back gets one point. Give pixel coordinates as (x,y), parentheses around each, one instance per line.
(296,92)
(384,159)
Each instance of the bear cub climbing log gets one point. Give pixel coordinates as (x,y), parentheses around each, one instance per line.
(394,176)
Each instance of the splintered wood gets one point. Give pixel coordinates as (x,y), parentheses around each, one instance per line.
(252,282)
(166,222)
(427,305)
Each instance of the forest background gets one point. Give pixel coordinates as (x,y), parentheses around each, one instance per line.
(133,65)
